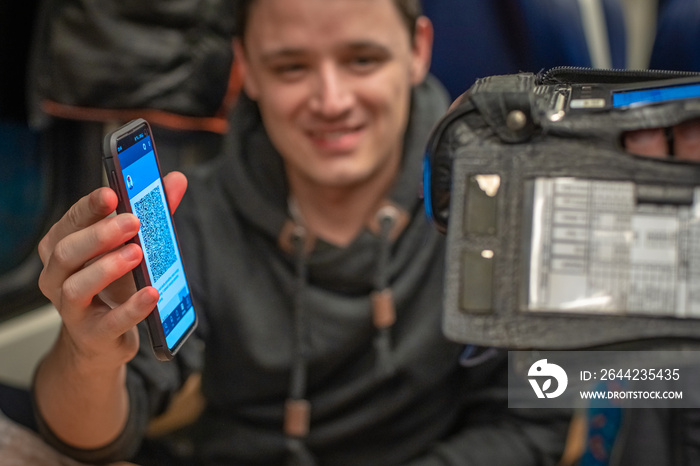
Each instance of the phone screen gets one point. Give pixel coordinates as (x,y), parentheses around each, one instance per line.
(655,95)
(157,236)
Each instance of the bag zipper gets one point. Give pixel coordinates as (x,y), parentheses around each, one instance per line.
(580,74)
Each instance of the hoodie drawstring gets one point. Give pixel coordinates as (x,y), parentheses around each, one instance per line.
(382,298)
(297,410)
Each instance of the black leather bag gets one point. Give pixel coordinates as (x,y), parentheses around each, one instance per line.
(557,237)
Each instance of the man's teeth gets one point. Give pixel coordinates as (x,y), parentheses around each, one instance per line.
(332,134)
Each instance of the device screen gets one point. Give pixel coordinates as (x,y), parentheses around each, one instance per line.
(639,97)
(161,254)
(604,247)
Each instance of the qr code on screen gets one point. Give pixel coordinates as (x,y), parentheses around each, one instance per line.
(157,241)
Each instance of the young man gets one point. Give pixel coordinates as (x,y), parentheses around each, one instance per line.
(317,279)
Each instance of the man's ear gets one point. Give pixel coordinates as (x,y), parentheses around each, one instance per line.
(422,50)
(249,84)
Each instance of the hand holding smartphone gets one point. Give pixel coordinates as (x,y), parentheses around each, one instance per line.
(131,162)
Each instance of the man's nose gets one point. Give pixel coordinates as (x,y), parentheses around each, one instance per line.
(332,95)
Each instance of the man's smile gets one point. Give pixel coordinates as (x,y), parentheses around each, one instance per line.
(336,139)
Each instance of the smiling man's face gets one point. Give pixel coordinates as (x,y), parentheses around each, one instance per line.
(332,79)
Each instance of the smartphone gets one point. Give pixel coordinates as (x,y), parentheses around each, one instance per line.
(131,162)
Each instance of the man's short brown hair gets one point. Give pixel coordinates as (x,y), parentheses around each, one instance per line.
(410,11)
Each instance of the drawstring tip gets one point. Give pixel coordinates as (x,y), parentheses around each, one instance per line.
(383,318)
(297,416)
(383,310)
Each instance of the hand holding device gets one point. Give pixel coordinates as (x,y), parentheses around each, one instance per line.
(84,254)
(85,257)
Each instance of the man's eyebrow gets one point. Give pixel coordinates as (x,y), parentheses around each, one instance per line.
(368,45)
(281,53)
(293,52)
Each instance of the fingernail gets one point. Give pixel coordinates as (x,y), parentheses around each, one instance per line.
(148,297)
(125,222)
(130,252)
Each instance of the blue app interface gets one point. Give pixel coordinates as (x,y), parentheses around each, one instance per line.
(147,199)
(650,96)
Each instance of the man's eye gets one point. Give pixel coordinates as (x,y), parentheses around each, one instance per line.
(365,60)
(288,69)
(365,63)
